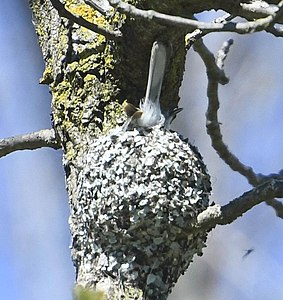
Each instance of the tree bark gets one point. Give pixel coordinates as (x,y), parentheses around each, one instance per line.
(133,195)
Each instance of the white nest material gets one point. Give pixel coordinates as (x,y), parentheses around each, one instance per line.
(138,194)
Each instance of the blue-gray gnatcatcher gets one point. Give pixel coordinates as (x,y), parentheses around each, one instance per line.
(149,113)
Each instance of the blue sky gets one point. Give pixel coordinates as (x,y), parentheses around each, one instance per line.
(35,258)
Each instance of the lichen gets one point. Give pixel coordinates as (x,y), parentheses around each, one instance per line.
(47,76)
(138,193)
(82,293)
(82,10)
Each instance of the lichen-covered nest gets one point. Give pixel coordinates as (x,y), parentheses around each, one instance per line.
(138,194)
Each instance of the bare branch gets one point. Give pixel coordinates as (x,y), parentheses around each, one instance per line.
(277,206)
(222,54)
(101,6)
(197,34)
(63,12)
(192,37)
(212,125)
(213,67)
(216,215)
(239,27)
(213,71)
(224,18)
(259,8)
(31,141)
(205,54)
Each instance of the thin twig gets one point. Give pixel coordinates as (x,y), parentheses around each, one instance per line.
(259,8)
(98,5)
(213,71)
(63,12)
(222,54)
(197,34)
(239,27)
(217,215)
(212,124)
(31,141)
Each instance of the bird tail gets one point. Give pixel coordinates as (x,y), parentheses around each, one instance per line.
(158,61)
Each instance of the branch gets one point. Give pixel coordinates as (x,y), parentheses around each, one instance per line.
(277,206)
(213,65)
(63,12)
(241,28)
(259,8)
(212,124)
(277,32)
(216,215)
(31,141)
(102,7)
(212,69)
(192,37)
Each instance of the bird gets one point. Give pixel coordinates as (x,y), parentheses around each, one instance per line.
(149,113)
(248,252)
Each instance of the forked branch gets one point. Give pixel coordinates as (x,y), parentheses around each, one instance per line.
(214,68)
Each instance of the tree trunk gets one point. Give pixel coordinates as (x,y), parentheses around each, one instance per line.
(133,195)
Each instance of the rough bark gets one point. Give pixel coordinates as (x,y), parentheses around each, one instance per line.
(89,77)
(114,250)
